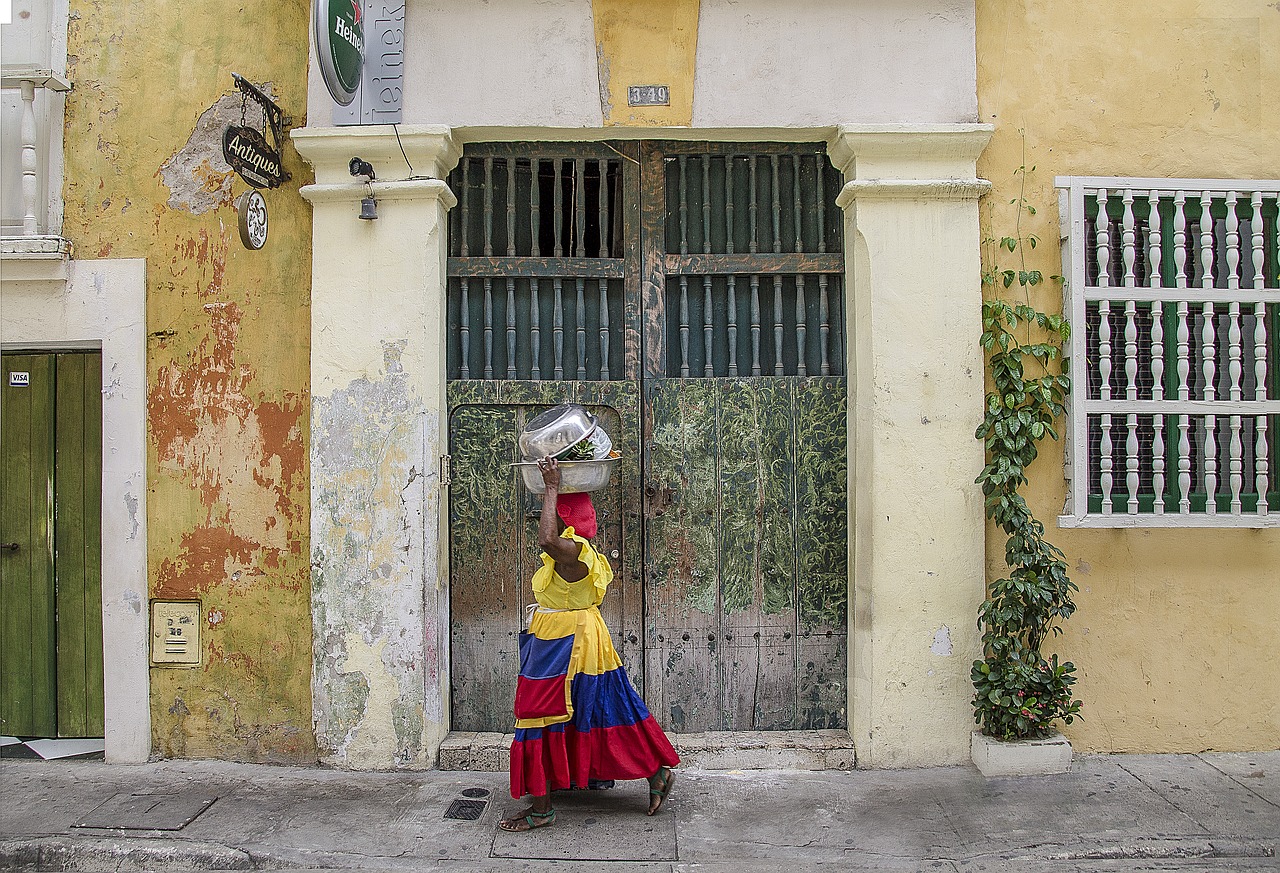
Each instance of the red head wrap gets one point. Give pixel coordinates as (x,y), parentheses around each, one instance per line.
(577,512)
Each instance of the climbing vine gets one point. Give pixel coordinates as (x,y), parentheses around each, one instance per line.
(1018,692)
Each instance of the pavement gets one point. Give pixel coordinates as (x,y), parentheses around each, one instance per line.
(1206,812)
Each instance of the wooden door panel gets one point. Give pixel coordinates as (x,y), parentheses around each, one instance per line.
(493,536)
(488,550)
(746,552)
(28,668)
(78,544)
(820,504)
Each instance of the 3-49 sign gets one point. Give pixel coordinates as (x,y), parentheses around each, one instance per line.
(339,26)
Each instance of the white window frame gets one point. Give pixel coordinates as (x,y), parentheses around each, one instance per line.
(1185,411)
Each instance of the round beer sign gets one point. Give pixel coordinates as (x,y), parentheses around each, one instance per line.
(339,26)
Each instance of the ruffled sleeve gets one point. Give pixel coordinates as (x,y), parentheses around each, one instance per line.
(553,592)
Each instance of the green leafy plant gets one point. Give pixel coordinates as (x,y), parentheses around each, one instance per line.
(1018,693)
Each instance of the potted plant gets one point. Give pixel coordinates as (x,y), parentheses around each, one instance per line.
(1019,694)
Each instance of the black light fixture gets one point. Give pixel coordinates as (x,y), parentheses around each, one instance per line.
(368,205)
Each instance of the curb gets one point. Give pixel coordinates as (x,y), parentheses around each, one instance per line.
(123,853)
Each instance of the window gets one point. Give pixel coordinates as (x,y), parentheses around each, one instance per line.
(1174,300)
(33,83)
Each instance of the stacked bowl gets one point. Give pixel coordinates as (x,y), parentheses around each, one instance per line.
(573,437)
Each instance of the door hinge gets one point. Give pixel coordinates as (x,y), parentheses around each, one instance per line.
(446,470)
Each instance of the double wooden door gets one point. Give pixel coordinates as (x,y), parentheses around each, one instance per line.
(690,295)
(51,676)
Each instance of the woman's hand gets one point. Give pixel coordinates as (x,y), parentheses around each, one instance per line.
(549,467)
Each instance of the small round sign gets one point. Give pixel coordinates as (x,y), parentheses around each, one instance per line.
(251,210)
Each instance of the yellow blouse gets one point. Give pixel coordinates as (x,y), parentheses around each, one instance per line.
(553,592)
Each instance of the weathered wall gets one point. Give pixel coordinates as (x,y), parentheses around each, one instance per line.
(381,668)
(1175,628)
(227,356)
(534,63)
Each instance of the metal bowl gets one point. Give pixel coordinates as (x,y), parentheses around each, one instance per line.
(555,430)
(575,476)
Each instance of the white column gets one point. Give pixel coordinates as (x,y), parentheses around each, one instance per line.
(913,289)
(378,431)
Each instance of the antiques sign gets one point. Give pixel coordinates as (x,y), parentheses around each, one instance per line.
(250,155)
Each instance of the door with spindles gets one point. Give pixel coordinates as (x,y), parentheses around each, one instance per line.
(690,294)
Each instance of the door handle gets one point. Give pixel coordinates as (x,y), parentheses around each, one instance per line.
(10,547)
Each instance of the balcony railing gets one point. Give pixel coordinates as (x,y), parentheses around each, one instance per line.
(35,155)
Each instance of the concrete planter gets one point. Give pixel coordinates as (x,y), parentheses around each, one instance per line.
(1021,757)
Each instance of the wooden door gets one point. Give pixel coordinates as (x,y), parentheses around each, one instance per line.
(51,676)
(606,274)
(744,419)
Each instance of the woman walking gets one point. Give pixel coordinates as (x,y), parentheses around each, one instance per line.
(577,717)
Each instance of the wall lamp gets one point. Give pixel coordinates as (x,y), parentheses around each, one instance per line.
(368,205)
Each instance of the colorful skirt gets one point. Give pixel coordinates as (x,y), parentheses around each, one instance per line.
(577,716)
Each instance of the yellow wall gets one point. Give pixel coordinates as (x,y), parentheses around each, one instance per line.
(1175,629)
(652,43)
(227,356)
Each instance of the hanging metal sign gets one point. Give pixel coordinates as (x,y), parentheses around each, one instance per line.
(246,149)
(251,215)
(339,33)
(250,155)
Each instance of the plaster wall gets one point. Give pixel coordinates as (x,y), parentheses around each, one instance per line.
(380,601)
(227,333)
(101,305)
(914,398)
(809,62)
(1175,628)
(565,64)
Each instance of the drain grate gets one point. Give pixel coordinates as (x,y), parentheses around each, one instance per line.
(475,792)
(466,810)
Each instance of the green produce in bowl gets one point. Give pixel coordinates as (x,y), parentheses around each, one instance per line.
(583,450)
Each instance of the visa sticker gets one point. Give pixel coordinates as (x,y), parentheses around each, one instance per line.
(19,379)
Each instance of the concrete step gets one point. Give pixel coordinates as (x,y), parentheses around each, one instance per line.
(712,750)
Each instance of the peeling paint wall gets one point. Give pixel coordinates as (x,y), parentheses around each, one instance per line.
(1174,636)
(228,349)
(380,578)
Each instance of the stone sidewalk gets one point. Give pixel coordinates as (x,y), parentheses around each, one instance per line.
(1111,812)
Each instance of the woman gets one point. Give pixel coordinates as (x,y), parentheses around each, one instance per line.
(577,717)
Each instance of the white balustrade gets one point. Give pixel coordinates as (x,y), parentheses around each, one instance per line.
(1188,262)
(29,83)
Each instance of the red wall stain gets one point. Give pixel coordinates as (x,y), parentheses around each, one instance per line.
(201,562)
(193,406)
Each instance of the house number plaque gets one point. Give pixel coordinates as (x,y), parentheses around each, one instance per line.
(648,95)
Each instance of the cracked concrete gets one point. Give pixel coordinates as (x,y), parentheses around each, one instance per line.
(1133,812)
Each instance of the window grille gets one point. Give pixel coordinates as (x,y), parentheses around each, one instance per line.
(1173,291)
(754,263)
(536,266)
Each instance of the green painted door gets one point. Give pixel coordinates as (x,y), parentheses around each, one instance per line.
(51,681)
(691,294)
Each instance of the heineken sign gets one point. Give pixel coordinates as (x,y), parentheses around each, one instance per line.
(250,155)
(339,26)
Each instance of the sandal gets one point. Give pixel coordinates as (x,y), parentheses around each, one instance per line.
(668,779)
(532,821)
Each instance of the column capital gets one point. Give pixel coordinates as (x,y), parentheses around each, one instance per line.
(407,189)
(911,189)
(401,152)
(908,151)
